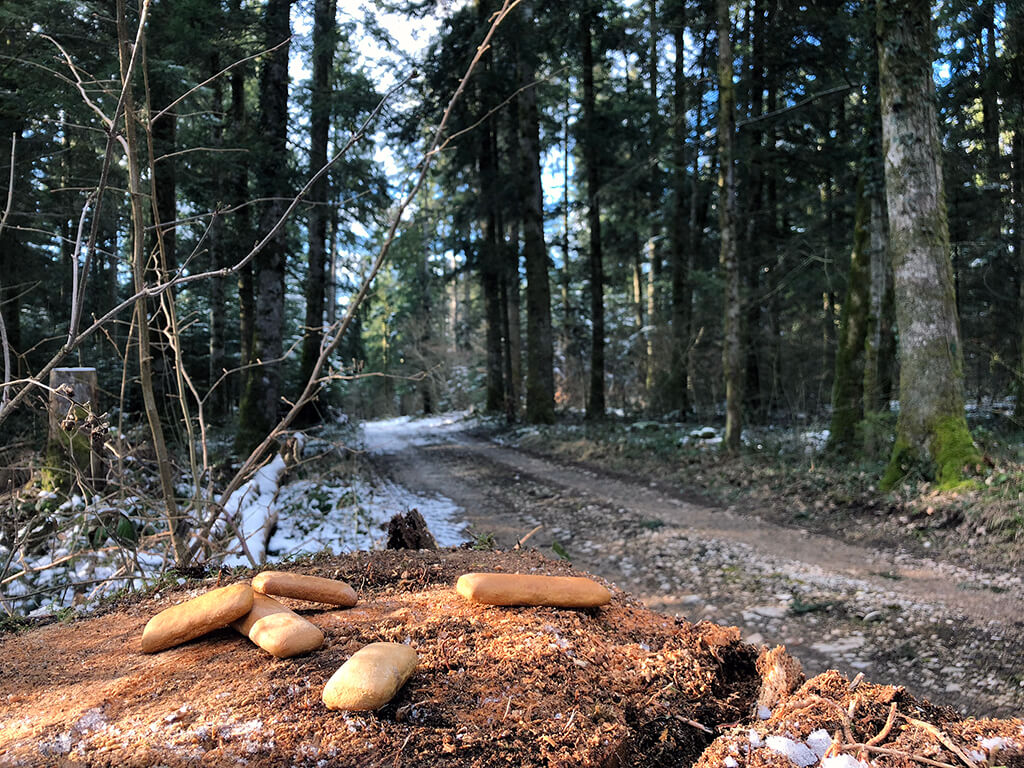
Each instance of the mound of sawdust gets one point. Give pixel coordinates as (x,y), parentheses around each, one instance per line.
(495,686)
(614,686)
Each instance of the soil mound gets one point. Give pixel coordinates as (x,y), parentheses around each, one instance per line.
(612,686)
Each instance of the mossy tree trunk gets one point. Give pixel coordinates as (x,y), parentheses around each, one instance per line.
(848,384)
(932,434)
(732,341)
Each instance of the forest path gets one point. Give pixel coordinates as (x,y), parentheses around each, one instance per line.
(947,633)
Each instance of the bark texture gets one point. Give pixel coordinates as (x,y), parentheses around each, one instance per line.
(932,434)
(848,384)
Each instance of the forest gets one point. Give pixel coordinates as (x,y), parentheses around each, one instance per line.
(256,217)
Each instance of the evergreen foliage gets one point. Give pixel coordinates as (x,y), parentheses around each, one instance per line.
(605,294)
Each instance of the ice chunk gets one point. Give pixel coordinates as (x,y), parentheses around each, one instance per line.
(796,751)
(819,741)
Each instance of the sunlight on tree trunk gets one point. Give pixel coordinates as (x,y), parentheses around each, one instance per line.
(932,434)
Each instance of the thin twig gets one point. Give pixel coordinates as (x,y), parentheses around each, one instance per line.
(793,107)
(212,150)
(209,80)
(895,753)
(497,108)
(522,541)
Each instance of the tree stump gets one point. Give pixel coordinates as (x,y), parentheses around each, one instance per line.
(71,452)
(409,531)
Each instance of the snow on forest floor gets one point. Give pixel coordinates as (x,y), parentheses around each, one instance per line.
(316,514)
(322,510)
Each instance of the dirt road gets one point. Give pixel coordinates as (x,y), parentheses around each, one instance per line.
(949,634)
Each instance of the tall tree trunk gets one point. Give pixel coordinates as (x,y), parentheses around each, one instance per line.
(879,342)
(732,343)
(571,365)
(991,75)
(1015,57)
(513,329)
(540,376)
(654,264)
(595,398)
(261,398)
(490,254)
(10,253)
(162,89)
(848,382)
(932,433)
(679,229)
(753,234)
(324,27)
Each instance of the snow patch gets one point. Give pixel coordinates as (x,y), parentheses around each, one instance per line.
(251,508)
(795,751)
(819,741)
(394,435)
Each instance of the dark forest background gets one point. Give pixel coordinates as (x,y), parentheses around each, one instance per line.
(576,199)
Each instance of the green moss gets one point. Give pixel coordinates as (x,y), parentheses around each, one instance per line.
(952,451)
(904,461)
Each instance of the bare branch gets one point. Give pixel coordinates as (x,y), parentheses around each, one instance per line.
(209,80)
(793,107)
(190,150)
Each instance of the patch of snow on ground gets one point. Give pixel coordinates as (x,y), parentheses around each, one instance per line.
(319,516)
(315,517)
(393,435)
(251,507)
